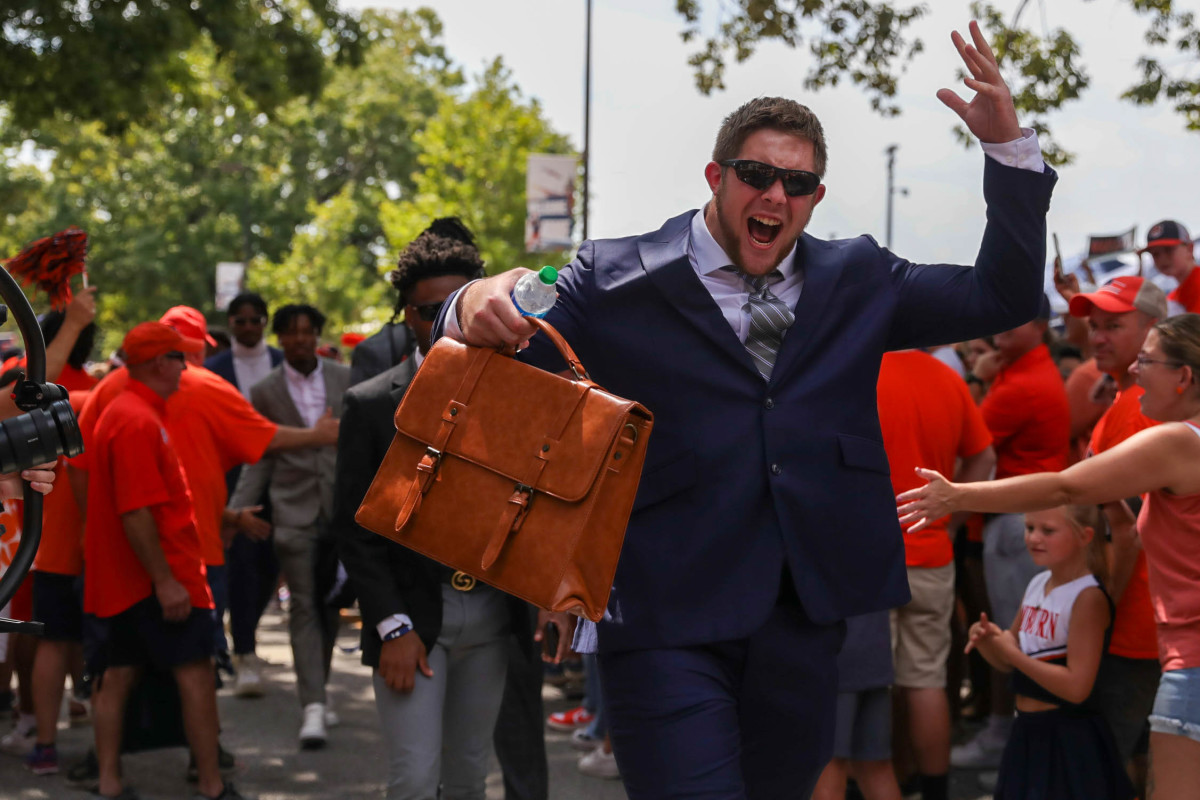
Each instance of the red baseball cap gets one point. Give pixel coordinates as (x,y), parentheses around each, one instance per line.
(189,322)
(1166,233)
(149,340)
(1122,295)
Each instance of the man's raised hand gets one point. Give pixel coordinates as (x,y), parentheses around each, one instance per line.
(990,115)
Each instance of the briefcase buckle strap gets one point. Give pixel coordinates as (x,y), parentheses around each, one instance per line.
(510,522)
(427,470)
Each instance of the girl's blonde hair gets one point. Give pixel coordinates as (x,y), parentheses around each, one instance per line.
(1092,517)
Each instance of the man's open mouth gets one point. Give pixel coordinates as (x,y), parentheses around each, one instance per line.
(763,230)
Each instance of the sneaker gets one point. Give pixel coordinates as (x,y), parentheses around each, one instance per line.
(21,739)
(249,676)
(982,752)
(599,764)
(312,730)
(567,721)
(42,760)
(86,772)
(227,793)
(79,712)
(582,742)
(225,762)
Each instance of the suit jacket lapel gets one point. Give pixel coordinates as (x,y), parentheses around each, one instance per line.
(402,378)
(289,414)
(665,260)
(822,269)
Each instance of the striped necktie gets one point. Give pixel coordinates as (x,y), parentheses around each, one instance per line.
(770,318)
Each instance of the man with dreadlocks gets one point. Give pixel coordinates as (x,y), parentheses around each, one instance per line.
(438,642)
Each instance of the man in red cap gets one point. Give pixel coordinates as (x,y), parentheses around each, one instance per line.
(145,569)
(1171,247)
(1119,315)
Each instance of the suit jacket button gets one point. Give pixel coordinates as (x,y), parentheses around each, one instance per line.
(769,404)
(776,469)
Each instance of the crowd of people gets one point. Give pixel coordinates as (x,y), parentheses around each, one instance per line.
(769,634)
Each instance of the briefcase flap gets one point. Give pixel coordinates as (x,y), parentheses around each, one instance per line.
(554,434)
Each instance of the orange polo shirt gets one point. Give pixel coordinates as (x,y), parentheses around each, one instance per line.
(929,419)
(1187,294)
(1134,632)
(214,429)
(1027,413)
(134,466)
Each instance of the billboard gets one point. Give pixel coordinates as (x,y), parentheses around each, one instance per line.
(549,202)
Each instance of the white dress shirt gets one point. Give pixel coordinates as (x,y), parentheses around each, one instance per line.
(307,392)
(250,364)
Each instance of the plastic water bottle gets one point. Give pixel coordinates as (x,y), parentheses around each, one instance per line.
(534,293)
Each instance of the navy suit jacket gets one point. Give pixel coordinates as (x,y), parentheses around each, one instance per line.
(222,363)
(744,476)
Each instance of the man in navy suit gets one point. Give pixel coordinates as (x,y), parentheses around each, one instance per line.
(765,513)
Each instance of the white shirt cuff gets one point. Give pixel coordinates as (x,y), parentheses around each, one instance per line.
(391,623)
(1023,153)
(451,327)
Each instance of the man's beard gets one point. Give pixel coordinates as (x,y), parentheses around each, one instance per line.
(730,234)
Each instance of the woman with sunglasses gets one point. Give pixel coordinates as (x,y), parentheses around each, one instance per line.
(1160,463)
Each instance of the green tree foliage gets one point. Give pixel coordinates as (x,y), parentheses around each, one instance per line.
(309,194)
(117,61)
(867,44)
(472,165)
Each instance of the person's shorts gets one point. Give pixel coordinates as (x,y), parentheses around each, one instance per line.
(58,605)
(139,636)
(1007,566)
(1124,695)
(921,628)
(864,725)
(1177,704)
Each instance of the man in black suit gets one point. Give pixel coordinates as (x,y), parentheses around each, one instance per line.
(424,624)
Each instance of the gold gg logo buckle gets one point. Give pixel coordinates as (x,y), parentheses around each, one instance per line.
(462,581)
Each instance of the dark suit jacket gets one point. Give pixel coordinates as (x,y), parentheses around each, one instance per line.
(744,476)
(383,350)
(387,577)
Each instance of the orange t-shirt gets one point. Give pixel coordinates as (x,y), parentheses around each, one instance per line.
(1084,413)
(1134,633)
(1187,294)
(929,419)
(214,429)
(1026,410)
(61,548)
(134,466)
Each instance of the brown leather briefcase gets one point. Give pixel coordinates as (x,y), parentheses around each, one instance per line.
(518,477)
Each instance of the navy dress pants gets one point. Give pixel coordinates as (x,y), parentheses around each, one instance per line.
(750,719)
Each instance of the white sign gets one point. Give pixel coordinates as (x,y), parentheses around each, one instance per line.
(549,202)
(231,276)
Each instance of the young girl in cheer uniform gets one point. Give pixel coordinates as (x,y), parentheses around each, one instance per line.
(1059,749)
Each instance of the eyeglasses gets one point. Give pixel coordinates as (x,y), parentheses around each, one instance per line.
(429,311)
(249,320)
(175,355)
(760,176)
(1142,361)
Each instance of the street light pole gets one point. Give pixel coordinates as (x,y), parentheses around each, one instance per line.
(587,114)
(891,165)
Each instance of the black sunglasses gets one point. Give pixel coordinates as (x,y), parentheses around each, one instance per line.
(760,176)
(250,320)
(429,311)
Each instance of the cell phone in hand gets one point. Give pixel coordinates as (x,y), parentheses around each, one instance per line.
(1058,262)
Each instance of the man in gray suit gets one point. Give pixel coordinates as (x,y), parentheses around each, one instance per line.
(300,482)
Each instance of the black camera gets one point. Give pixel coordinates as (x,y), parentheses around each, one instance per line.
(48,429)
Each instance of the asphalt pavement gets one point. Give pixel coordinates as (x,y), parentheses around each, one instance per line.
(262,734)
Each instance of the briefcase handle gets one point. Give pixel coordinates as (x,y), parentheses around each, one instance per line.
(564,349)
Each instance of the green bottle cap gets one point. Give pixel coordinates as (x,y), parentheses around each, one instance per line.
(548,275)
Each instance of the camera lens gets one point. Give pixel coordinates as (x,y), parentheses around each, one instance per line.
(39,437)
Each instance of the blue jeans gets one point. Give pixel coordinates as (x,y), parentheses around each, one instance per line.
(593,698)
(1177,704)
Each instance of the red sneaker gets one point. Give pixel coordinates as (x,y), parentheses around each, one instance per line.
(568,721)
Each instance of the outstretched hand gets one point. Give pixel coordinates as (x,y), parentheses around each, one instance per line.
(982,633)
(929,503)
(991,115)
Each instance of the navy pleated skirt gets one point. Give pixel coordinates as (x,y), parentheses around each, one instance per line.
(1062,754)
